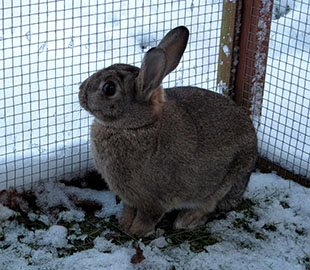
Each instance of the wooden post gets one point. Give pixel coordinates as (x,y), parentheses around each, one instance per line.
(243,51)
(227,52)
(253,51)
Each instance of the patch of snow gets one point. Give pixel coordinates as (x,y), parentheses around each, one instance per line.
(281,8)
(226,50)
(43,218)
(103,245)
(71,215)
(55,236)
(5,212)
(51,194)
(159,242)
(222,87)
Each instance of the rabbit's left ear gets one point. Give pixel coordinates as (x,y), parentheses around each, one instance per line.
(151,73)
(174,44)
(160,61)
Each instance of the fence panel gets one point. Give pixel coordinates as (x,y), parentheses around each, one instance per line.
(49,47)
(284,126)
(273,83)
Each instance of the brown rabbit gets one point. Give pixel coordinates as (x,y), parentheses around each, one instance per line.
(180,148)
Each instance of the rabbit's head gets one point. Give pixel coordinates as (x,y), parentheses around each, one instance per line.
(126,96)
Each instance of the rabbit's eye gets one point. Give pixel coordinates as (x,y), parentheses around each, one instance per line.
(109,88)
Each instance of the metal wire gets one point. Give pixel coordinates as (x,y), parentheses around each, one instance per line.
(49,47)
(284,124)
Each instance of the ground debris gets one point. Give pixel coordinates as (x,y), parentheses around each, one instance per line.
(138,257)
(17,201)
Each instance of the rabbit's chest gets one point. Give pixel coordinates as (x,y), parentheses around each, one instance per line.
(120,154)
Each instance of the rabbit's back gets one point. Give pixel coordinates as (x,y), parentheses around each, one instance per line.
(217,120)
(207,136)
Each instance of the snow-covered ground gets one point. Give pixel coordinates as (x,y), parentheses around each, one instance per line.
(273,233)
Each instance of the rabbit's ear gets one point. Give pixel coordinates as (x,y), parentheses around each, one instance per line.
(151,73)
(174,44)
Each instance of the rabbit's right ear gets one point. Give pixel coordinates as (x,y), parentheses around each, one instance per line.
(151,73)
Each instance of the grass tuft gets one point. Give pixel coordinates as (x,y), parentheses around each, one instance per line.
(270,227)
(82,234)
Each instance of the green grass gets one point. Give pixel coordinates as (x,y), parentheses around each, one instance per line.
(93,227)
(81,234)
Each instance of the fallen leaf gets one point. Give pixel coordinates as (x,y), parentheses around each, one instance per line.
(138,257)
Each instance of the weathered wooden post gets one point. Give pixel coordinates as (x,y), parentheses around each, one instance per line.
(228,47)
(243,51)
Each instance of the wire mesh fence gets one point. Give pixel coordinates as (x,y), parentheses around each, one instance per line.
(270,79)
(49,47)
(284,125)
(264,66)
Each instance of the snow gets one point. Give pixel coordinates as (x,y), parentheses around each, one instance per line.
(282,7)
(277,237)
(55,236)
(5,213)
(226,50)
(159,242)
(51,194)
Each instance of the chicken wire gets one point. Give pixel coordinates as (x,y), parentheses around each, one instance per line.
(282,114)
(285,123)
(49,47)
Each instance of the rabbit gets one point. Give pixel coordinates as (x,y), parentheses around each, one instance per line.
(183,148)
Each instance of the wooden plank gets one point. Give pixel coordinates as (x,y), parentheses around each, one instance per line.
(225,74)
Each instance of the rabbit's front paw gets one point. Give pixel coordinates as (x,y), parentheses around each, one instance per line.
(190,219)
(141,228)
(128,215)
(144,223)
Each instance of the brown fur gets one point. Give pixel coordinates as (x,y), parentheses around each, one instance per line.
(158,99)
(182,148)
